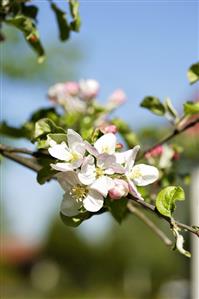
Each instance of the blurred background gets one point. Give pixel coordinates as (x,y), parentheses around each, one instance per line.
(145,48)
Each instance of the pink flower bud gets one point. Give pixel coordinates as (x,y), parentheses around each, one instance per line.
(120,189)
(157,151)
(117,98)
(176,156)
(88,89)
(108,129)
(72,88)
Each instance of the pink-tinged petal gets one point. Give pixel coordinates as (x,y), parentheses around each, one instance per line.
(119,190)
(143,174)
(69,207)
(60,151)
(102,185)
(93,202)
(133,190)
(106,144)
(68,179)
(91,149)
(87,173)
(73,138)
(105,160)
(116,168)
(79,148)
(62,166)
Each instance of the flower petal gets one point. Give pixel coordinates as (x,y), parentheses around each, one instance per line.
(73,138)
(133,190)
(93,202)
(69,206)
(143,174)
(91,149)
(106,144)
(68,179)
(127,157)
(102,185)
(60,151)
(87,174)
(105,160)
(63,166)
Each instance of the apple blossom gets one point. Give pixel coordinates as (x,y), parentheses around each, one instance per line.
(71,155)
(117,98)
(140,174)
(108,129)
(78,195)
(88,89)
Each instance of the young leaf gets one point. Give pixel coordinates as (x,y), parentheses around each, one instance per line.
(170,109)
(27,26)
(74,10)
(45,174)
(154,105)
(166,198)
(179,243)
(75,220)
(45,126)
(193,73)
(64,27)
(191,108)
(118,208)
(58,138)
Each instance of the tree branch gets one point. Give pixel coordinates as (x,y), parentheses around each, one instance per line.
(153,209)
(176,132)
(149,223)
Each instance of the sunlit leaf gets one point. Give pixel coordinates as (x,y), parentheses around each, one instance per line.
(193,73)
(166,198)
(154,105)
(74,9)
(191,108)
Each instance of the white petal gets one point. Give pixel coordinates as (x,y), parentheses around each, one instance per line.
(69,207)
(105,160)
(127,157)
(87,174)
(91,149)
(102,185)
(60,151)
(62,166)
(106,144)
(68,179)
(73,138)
(133,190)
(93,202)
(143,174)
(79,148)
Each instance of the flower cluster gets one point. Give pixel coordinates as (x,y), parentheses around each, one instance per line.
(77,96)
(91,173)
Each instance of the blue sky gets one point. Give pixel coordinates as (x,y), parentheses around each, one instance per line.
(143,47)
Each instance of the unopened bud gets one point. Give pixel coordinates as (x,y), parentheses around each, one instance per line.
(119,190)
(72,88)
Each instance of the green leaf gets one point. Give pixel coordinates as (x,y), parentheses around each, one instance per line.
(45,126)
(166,198)
(45,174)
(191,108)
(118,208)
(154,105)
(170,109)
(27,26)
(74,10)
(22,132)
(30,11)
(180,242)
(58,138)
(193,73)
(64,27)
(75,220)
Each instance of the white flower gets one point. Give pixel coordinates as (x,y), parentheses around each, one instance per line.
(88,89)
(98,176)
(78,195)
(120,189)
(106,144)
(140,174)
(71,154)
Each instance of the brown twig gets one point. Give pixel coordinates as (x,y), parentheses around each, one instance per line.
(149,223)
(176,132)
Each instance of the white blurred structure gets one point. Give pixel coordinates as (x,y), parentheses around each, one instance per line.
(195,240)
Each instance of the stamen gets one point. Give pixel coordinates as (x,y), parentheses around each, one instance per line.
(78,192)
